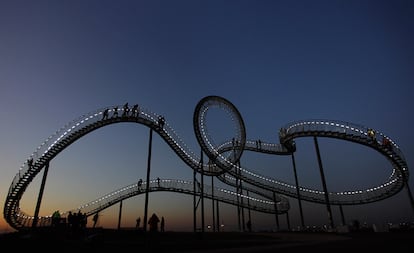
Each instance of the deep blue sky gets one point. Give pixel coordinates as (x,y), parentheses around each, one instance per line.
(277,61)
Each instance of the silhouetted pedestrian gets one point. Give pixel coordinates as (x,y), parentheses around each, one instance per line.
(70,219)
(126,110)
(371,133)
(105,114)
(249,226)
(30,162)
(55,218)
(139,184)
(135,111)
(115,114)
(153,222)
(138,223)
(161,121)
(386,142)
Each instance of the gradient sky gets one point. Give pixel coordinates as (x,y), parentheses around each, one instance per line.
(276,61)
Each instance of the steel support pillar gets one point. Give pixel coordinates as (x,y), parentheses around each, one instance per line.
(148,180)
(120,215)
(325,189)
(218,216)
(341,210)
(194,201)
(241,199)
(288,220)
(249,210)
(410,195)
(202,193)
(276,212)
(40,196)
(212,204)
(302,221)
(238,202)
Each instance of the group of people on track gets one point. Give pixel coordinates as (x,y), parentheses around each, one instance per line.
(133,112)
(130,112)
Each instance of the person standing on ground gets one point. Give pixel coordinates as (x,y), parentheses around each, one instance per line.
(138,222)
(153,222)
(249,226)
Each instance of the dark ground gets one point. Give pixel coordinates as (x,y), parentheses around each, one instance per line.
(110,240)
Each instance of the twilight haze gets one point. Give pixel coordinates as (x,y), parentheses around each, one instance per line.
(276,61)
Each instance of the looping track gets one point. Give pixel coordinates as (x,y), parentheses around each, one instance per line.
(224,167)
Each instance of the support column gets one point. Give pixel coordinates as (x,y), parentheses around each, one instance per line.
(410,195)
(218,216)
(212,203)
(148,181)
(238,201)
(194,201)
(202,194)
(40,196)
(119,215)
(241,199)
(288,220)
(237,183)
(302,221)
(276,212)
(342,215)
(325,189)
(249,210)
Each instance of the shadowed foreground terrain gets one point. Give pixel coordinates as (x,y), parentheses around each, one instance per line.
(107,239)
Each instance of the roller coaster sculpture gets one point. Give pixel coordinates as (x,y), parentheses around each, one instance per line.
(223,162)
